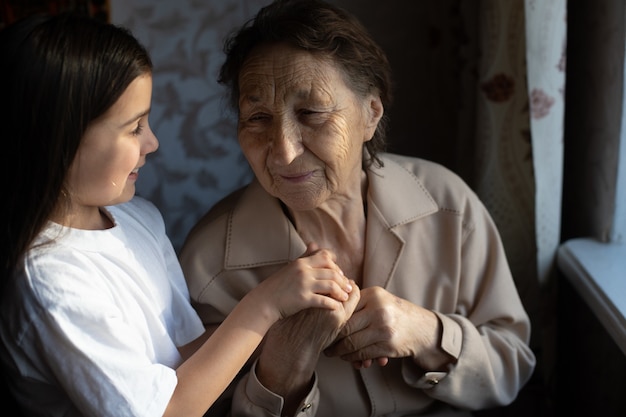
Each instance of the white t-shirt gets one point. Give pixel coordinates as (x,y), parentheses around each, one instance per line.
(93,322)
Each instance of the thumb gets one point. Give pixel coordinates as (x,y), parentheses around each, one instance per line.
(311,248)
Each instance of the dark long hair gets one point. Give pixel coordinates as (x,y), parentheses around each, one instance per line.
(320,28)
(57,74)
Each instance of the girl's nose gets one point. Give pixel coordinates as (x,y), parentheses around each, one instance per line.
(150,143)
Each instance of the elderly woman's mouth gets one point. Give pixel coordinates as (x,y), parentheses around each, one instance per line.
(298,177)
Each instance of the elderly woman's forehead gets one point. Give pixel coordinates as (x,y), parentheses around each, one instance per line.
(280,49)
(284,57)
(304,79)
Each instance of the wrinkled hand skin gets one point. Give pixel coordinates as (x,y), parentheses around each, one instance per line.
(387,326)
(308,333)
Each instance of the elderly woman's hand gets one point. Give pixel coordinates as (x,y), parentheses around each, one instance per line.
(308,333)
(386,326)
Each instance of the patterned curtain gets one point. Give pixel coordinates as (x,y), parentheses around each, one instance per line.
(519,147)
(546,33)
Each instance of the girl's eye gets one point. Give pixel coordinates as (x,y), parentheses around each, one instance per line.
(137,130)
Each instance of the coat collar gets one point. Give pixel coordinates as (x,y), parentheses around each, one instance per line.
(398,194)
(260,234)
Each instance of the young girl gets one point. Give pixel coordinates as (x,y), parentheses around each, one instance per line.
(95,317)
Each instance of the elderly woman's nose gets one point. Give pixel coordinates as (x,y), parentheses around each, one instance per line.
(286,143)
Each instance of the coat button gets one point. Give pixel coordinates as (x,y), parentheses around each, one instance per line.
(433,381)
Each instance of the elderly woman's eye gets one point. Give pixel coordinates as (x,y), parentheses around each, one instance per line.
(257,117)
(312,117)
(309,114)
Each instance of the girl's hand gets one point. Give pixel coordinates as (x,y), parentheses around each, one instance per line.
(314,280)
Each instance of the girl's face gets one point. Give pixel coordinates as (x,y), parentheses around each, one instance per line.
(301,127)
(111,152)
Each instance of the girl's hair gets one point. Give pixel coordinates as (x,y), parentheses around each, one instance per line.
(57,74)
(320,28)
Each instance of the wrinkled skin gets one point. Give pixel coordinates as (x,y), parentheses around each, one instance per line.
(302,130)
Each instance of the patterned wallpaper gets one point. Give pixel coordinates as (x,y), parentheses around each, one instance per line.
(198,160)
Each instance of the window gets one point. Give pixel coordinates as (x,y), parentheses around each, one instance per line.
(593,254)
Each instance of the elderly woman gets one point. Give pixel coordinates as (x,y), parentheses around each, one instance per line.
(439,328)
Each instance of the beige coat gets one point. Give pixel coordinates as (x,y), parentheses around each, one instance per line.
(430,241)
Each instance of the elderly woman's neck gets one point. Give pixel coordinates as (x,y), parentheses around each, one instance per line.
(338,224)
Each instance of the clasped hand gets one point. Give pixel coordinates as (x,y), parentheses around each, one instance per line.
(371,326)
(384,326)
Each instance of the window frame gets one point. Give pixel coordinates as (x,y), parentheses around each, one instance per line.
(596,269)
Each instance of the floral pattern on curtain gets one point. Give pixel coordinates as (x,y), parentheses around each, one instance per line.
(546,38)
(520,142)
(546,33)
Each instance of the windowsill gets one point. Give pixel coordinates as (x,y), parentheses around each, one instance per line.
(598,272)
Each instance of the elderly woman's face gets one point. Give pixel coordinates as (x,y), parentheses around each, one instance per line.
(301,127)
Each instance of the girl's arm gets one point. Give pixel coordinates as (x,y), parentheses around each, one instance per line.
(312,281)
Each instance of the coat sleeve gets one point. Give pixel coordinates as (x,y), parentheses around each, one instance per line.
(489,331)
(252,399)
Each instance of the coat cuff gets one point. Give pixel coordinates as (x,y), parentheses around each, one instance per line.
(451,343)
(252,398)
(451,335)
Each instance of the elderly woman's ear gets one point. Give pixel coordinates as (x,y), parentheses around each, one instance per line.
(375,111)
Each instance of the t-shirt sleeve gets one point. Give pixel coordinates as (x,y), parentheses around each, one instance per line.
(87,342)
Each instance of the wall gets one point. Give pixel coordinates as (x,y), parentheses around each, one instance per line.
(199,161)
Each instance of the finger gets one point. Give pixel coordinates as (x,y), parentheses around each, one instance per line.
(319,266)
(366,363)
(338,290)
(382,361)
(358,365)
(320,260)
(353,299)
(355,341)
(323,258)
(331,282)
(362,351)
(366,356)
(323,301)
(369,362)
(311,248)
(358,322)
(350,349)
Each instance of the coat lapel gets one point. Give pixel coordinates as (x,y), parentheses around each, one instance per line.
(259,233)
(395,198)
